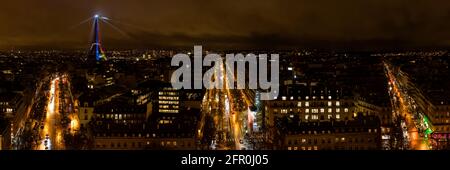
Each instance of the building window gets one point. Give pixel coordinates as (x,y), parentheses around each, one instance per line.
(307,104)
(329,104)
(315,117)
(322,110)
(345,110)
(330,116)
(315,110)
(299,104)
(330,110)
(306,110)
(9,110)
(338,116)
(306,117)
(338,110)
(338,103)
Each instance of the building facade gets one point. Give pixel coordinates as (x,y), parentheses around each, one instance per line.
(361,133)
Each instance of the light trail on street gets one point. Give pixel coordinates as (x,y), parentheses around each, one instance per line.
(229,109)
(52,134)
(414,122)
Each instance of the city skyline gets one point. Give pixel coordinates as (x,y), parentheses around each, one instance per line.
(175,99)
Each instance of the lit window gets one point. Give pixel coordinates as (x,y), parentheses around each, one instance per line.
(292,97)
(338,110)
(306,117)
(283,98)
(315,110)
(338,103)
(299,104)
(303,140)
(329,97)
(330,116)
(345,110)
(306,110)
(338,116)
(307,97)
(315,117)
(329,103)
(307,104)
(322,110)
(330,110)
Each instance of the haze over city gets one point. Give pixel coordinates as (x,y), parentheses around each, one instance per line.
(271,24)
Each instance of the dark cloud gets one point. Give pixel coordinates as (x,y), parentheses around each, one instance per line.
(228,24)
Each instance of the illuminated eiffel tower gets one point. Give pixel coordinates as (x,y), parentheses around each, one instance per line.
(96,51)
(100,71)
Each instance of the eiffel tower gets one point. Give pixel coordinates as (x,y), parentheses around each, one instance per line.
(100,71)
(96,51)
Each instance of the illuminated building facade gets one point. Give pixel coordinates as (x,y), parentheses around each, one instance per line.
(361,133)
(168,100)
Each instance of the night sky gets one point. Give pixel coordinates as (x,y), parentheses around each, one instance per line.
(50,24)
